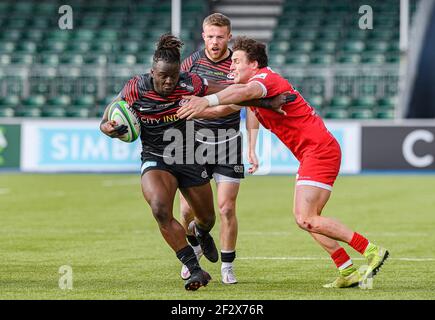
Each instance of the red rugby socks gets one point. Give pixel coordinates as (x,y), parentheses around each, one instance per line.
(341,259)
(359,243)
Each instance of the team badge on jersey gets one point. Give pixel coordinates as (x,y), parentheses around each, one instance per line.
(239,169)
(183,85)
(204,174)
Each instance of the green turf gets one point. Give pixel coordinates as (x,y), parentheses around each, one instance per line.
(101,227)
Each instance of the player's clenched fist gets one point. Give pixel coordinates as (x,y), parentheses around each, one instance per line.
(112,129)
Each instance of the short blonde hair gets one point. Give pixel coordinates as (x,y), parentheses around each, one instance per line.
(217,19)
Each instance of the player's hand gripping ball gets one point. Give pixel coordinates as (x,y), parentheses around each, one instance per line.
(123,114)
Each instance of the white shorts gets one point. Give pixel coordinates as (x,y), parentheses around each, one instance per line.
(221,178)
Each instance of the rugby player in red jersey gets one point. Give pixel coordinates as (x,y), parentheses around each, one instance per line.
(318,152)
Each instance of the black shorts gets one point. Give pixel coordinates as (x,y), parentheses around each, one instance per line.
(228,160)
(187,175)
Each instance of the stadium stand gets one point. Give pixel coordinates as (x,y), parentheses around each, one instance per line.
(344,72)
(48,72)
(358,70)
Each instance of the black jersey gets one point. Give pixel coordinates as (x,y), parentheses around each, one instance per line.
(200,64)
(157,113)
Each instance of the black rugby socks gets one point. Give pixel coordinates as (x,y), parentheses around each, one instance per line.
(188,258)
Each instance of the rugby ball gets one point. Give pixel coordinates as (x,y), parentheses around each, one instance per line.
(122,113)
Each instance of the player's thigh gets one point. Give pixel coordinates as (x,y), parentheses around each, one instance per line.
(159,188)
(200,199)
(309,200)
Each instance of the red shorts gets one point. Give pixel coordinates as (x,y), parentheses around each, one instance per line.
(320,169)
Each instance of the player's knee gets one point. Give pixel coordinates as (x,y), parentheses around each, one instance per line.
(227,210)
(207,222)
(305,222)
(161,212)
(299,221)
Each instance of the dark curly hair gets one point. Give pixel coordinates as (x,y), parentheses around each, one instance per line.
(255,51)
(168,49)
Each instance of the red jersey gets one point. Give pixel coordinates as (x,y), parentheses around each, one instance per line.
(301,130)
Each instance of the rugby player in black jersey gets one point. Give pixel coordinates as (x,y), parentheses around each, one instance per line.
(213,63)
(156,97)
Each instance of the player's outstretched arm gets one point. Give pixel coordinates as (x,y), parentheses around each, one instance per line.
(234,94)
(274,103)
(215,87)
(237,93)
(218,111)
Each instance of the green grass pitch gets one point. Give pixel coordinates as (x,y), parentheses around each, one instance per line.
(101,227)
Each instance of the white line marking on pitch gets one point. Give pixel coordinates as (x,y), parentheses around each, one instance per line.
(371,234)
(324,258)
(261,233)
(4,191)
